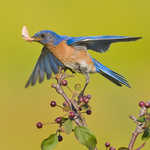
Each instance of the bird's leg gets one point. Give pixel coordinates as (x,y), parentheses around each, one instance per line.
(86,84)
(62,74)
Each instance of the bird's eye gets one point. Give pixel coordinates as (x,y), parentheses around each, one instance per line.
(42,35)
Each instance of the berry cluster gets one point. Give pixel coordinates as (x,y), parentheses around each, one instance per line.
(142,124)
(83,103)
(73,109)
(72,113)
(144,104)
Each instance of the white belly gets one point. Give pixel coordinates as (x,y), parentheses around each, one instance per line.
(80,66)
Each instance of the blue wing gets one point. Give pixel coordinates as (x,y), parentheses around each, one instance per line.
(46,64)
(98,43)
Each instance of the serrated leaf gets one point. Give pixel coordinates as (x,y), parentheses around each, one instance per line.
(68,126)
(141,119)
(146,134)
(85,137)
(123,148)
(50,143)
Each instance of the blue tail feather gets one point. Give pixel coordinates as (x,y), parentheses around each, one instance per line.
(109,74)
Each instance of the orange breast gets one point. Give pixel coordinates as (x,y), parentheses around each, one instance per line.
(62,51)
(70,56)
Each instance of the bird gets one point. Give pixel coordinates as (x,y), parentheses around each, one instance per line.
(60,51)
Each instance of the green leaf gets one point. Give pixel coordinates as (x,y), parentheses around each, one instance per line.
(141,119)
(85,137)
(123,148)
(146,134)
(68,126)
(64,119)
(50,143)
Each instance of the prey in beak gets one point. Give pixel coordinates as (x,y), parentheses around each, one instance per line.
(26,37)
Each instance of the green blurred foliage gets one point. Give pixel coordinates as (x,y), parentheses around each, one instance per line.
(21,108)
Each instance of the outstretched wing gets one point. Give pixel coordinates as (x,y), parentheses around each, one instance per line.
(98,43)
(46,64)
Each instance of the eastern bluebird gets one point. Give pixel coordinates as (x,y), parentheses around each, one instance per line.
(72,53)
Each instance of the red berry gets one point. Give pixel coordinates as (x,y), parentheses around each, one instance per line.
(142,104)
(88,112)
(60,138)
(64,82)
(85,99)
(81,99)
(53,103)
(112,148)
(147,104)
(71,114)
(58,120)
(107,144)
(39,125)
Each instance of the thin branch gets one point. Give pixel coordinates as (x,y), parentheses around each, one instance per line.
(139,128)
(133,139)
(140,147)
(79,120)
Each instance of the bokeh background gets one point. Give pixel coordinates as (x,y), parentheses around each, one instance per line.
(21,108)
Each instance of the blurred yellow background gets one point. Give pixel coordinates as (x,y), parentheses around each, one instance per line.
(21,108)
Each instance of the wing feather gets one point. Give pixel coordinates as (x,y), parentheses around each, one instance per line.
(99,43)
(52,63)
(47,67)
(41,70)
(46,64)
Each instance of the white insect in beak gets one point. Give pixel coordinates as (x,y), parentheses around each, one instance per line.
(25,34)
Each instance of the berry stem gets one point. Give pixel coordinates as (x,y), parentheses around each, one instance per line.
(139,148)
(60,107)
(69,89)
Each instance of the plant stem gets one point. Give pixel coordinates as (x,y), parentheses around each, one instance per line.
(139,148)
(79,120)
(133,139)
(139,129)
(72,104)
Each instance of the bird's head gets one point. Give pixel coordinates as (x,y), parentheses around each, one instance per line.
(44,37)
